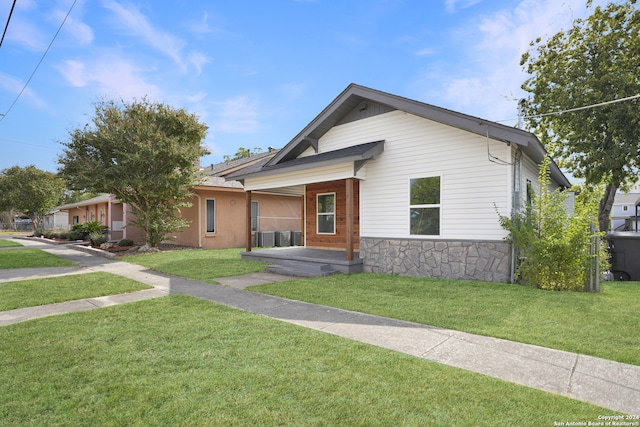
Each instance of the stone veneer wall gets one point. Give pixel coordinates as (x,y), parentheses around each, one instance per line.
(474,260)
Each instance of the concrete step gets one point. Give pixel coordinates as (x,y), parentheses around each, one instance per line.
(300,271)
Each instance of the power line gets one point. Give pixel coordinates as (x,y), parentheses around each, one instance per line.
(613,101)
(8,19)
(2,116)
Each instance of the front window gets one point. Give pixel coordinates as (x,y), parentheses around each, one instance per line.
(211,216)
(424,206)
(326,213)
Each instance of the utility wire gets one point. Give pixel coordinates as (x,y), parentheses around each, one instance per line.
(613,101)
(2,116)
(8,19)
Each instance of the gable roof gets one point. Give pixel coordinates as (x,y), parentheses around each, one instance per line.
(359,100)
(225,168)
(103,198)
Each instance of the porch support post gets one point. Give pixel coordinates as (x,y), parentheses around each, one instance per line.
(350,216)
(248,223)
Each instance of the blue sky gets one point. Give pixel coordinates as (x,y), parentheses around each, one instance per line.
(257,72)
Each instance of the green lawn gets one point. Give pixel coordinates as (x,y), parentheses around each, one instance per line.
(30,293)
(30,258)
(182,361)
(197,263)
(604,325)
(4,243)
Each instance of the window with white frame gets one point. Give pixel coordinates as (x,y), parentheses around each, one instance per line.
(211,216)
(625,208)
(326,213)
(424,206)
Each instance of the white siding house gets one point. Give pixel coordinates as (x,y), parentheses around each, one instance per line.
(623,212)
(413,188)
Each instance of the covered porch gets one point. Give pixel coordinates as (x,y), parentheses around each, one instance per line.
(306,262)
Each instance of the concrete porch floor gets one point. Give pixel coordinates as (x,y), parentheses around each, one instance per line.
(306,262)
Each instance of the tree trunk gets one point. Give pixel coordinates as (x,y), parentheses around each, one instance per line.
(606,204)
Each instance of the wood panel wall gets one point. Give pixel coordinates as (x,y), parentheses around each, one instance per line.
(338,240)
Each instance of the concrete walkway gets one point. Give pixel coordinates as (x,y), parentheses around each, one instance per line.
(609,384)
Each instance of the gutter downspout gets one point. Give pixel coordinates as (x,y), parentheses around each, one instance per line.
(515,203)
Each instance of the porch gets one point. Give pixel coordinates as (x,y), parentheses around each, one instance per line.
(306,262)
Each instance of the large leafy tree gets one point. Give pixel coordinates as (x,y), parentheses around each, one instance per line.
(30,191)
(594,62)
(145,153)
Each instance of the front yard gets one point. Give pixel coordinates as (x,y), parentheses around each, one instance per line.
(603,325)
(179,360)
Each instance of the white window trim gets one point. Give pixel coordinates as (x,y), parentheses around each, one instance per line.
(439,206)
(206,216)
(326,214)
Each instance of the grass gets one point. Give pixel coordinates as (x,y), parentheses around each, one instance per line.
(198,264)
(30,258)
(179,360)
(603,325)
(30,293)
(4,243)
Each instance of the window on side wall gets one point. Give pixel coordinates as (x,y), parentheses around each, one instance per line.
(326,213)
(529,192)
(254,215)
(424,206)
(211,216)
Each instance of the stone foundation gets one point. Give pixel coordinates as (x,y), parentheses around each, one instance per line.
(474,260)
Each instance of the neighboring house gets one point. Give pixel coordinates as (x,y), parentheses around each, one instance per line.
(56,220)
(217,214)
(624,213)
(415,189)
(107,210)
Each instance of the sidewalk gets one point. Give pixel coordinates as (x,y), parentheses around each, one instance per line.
(609,384)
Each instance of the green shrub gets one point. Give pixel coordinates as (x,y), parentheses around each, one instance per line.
(553,248)
(76,235)
(125,242)
(82,230)
(97,238)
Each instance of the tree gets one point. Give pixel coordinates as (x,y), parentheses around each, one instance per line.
(31,191)
(242,153)
(597,60)
(146,154)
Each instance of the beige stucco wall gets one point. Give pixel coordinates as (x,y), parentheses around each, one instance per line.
(276,213)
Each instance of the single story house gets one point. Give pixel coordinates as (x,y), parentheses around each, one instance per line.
(107,210)
(406,187)
(217,215)
(56,220)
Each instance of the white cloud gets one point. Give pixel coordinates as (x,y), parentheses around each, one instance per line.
(237,115)
(14,86)
(453,5)
(426,52)
(135,23)
(197,97)
(198,60)
(488,84)
(26,34)
(79,31)
(111,75)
